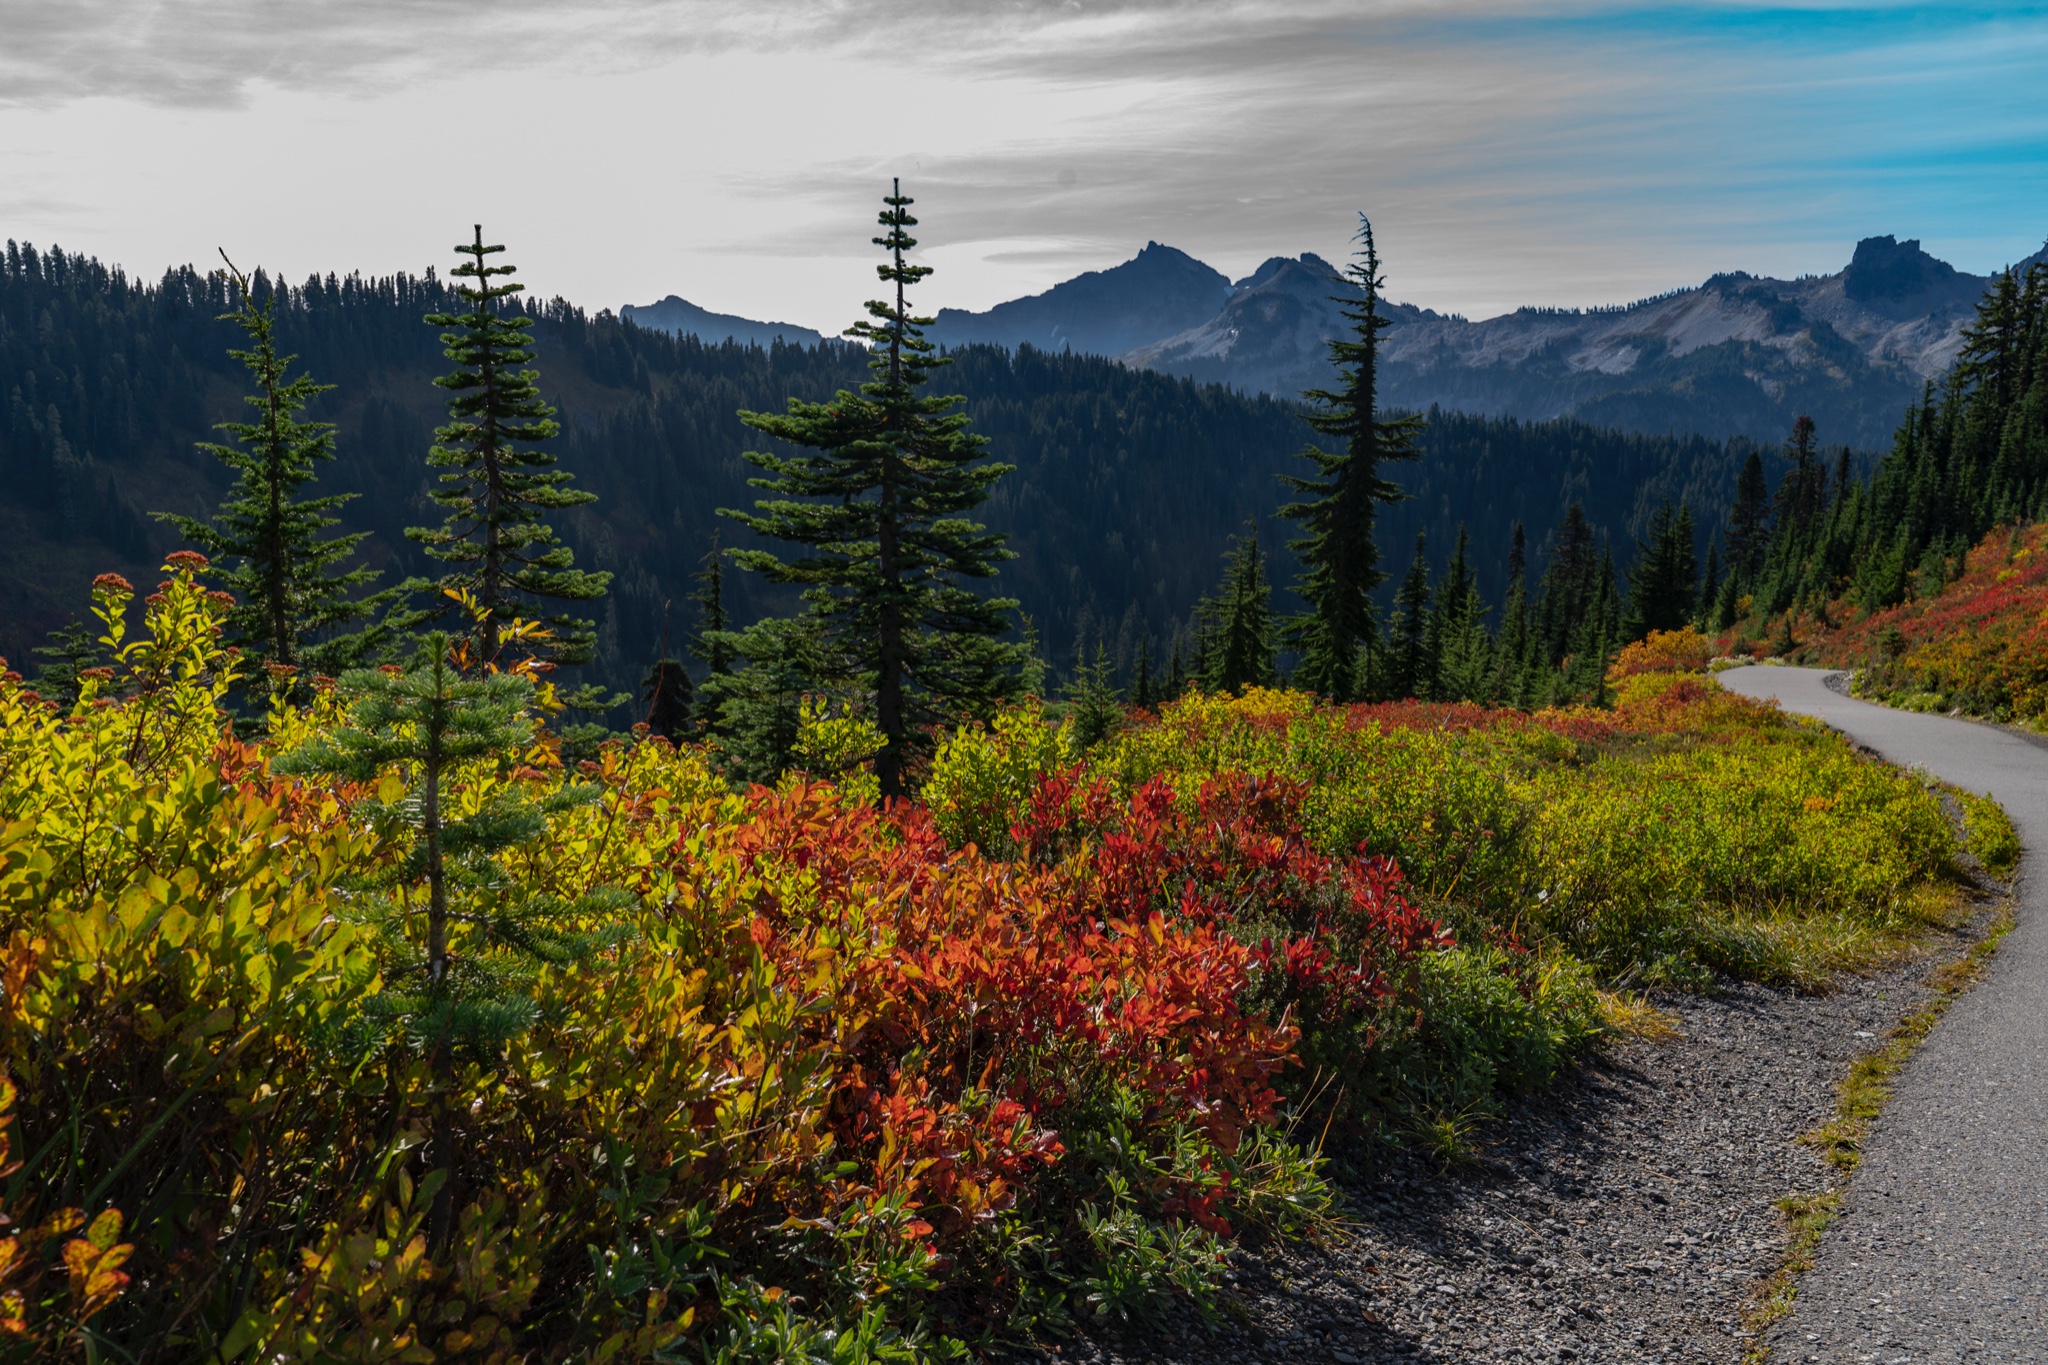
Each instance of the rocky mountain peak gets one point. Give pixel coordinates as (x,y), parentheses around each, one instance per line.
(1158,291)
(1886,271)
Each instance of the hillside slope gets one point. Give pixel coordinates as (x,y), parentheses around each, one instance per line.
(1127,488)
(1979,646)
(679,317)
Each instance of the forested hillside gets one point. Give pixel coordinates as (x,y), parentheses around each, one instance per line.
(1927,576)
(1127,487)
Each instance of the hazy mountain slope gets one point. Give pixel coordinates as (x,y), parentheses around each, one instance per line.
(1739,355)
(1158,292)
(679,317)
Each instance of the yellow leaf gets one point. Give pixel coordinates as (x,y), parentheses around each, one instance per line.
(105,1230)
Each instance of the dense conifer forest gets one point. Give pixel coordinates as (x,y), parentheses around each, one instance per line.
(1127,490)
(1970,455)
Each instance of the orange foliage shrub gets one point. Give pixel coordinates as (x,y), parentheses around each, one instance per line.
(1664,651)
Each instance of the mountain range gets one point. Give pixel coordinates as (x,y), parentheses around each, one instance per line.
(681,318)
(1739,355)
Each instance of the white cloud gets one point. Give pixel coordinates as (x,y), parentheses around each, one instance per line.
(627,149)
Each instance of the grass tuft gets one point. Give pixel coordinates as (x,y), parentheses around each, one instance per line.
(1627,1014)
(1806,1217)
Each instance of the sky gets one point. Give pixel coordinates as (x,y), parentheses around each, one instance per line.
(1509,152)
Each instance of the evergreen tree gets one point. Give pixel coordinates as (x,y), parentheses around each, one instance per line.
(1144,692)
(1098,708)
(1802,493)
(1710,583)
(1663,588)
(1462,650)
(1509,685)
(1582,672)
(71,650)
(292,598)
(879,496)
(500,481)
(467,989)
(1031,677)
(669,695)
(1458,588)
(711,644)
(1568,593)
(1177,676)
(1797,525)
(1749,520)
(1411,672)
(1238,625)
(1340,561)
(758,707)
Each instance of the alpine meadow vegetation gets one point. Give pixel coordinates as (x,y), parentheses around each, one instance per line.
(389,1033)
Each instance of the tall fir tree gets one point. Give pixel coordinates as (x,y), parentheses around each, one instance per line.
(1031,677)
(1338,555)
(1177,676)
(1570,587)
(880,496)
(1237,632)
(1749,522)
(1459,644)
(499,480)
(1411,672)
(712,642)
(1710,585)
(1510,681)
(1663,587)
(293,600)
(1144,688)
(1582,671)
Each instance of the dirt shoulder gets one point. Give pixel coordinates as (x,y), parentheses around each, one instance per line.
(1631,1213)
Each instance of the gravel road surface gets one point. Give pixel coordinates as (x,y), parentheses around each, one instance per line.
(1941,1253)
(1626,1214)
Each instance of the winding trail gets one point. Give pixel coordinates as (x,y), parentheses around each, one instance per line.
(1941,1252)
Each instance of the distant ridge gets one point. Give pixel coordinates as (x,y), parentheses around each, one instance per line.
(1156,293)
(1740,355)
(680,317)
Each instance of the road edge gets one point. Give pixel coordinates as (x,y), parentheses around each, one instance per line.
(1859,1098)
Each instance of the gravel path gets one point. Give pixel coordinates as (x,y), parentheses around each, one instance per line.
(1627,1215)
(1942,1250)
(1630,1213)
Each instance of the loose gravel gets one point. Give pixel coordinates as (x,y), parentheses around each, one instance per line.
(1628,1214)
